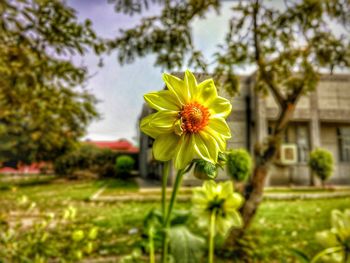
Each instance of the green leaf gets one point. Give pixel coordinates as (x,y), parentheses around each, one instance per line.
(185,247)
(326,252)
(179,217)
(301,256)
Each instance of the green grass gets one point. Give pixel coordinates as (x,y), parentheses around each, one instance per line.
(279,225)
(25,182)
(293,224)
(306,190)
(118,186)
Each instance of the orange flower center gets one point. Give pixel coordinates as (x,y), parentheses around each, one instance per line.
(194,117)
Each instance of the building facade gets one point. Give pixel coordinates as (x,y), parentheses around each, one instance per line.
(321,119)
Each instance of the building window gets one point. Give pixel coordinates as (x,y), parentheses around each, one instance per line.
(344,143)
(302,141)
(298,134)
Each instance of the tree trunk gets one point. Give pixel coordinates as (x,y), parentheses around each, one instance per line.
(254,194)
(312,178)
(266,152)
(254,190)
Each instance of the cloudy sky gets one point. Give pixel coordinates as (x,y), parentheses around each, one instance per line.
(120,88)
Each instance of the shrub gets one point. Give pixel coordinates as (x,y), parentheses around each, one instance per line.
(239,164)
(124,164)
(86,158)
(321,163)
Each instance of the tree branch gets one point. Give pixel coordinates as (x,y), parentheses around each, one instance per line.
(260,60)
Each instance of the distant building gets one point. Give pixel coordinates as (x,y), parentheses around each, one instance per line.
(321,119)
(121,145)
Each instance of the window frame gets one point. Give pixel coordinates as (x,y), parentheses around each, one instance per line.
(341,137)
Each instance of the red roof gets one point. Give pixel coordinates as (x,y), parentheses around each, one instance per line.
(120,145)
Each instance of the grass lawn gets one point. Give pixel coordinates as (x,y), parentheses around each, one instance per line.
(279,224)
(117,187)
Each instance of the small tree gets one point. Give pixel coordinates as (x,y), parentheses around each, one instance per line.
(239,165)
(321,163)
(124,164)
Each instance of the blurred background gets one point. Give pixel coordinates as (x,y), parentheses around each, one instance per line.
(77,176)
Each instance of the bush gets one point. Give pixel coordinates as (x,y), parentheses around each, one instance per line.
(86,158)
(321,163)
(124,164)
(239,164)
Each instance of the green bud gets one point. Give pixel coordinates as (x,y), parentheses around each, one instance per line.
(204,170)
(222,159)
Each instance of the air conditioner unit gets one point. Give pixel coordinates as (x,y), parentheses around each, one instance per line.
(288,154)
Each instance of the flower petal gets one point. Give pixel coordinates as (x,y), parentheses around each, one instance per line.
(163,100)
(220,107)
(227,188)
(177,86)
(147,129)
(185,152)
(163,120)
(220,140)
(206,92)
(235,201)
(164,147)
(206,147)
(210,188)
(220,126)
(236,219)
(191,83)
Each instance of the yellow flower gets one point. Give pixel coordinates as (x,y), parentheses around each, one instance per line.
(190,122)
(220,199)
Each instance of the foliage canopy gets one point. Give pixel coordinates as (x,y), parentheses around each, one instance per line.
(280,40)
(44,107)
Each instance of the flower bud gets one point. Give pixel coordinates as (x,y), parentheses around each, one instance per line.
(222,159)
(204,170)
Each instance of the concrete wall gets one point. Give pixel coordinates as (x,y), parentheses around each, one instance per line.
(329,141)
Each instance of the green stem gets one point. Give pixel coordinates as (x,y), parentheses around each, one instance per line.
(212,236)
(346,256)
(166,222)
(176,188)
(165,246)
(164,186)
(151,246)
